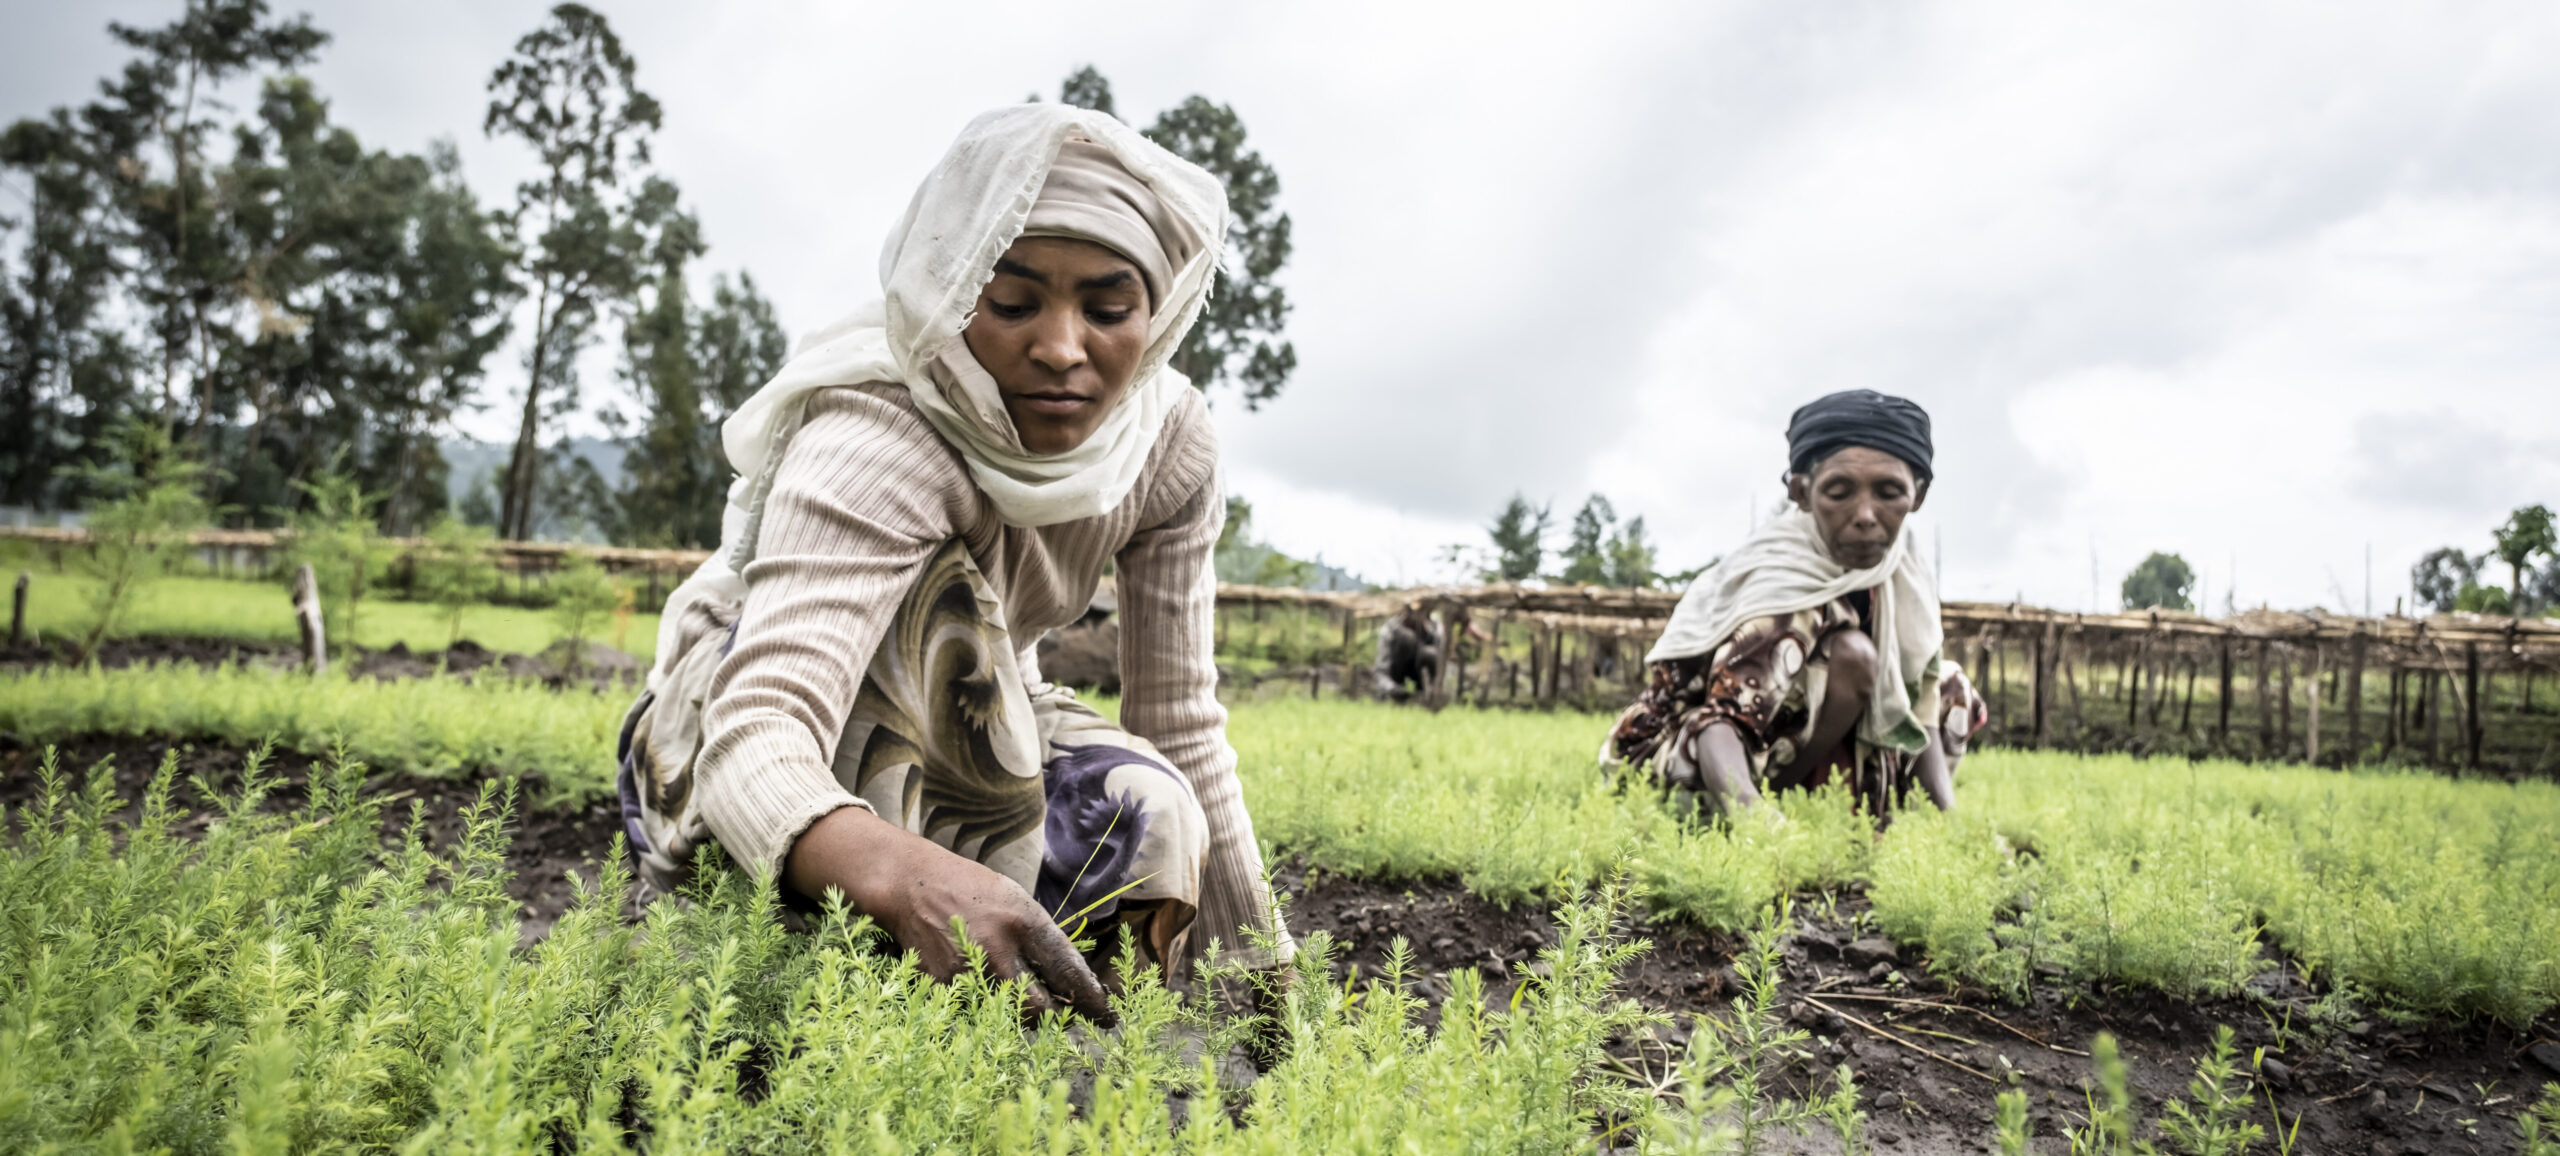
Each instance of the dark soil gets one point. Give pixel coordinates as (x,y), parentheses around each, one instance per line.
(545,844)
(2369,1087)
(2366,1087)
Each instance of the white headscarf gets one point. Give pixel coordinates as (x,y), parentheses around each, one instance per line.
(1784,568)
(969,210)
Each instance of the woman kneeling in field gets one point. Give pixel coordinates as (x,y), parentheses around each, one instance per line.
(847,693)
(1812,651)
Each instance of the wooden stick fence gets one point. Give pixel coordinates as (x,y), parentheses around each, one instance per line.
(2415,689)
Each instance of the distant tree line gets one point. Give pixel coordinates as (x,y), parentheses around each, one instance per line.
(2448,578)
(1598,549)
(2443,580)
(202,250)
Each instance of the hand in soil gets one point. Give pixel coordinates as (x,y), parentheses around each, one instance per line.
(917,891)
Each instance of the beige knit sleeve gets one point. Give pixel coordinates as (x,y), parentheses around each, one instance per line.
(1168,604)
(866,492)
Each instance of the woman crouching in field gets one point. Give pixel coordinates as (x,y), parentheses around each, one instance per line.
(1812,651)
(847,693)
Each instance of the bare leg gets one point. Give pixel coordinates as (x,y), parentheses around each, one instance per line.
(1724,768)
(1845,696)
(1937,772)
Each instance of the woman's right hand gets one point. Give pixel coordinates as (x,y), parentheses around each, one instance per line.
(914,888)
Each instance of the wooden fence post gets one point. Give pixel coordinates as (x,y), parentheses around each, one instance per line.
(1457,630)
(2311,731)
(2137,662)
(2222,728)
(2041,689)
(306,613)
(18,610)
(2266,711)
(2187,711)
(2471,700)
(2390,706)
(1984,681)
(2428,703)
(2071,648)
(2355,698)
(2284,709)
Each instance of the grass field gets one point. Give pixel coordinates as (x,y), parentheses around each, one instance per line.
(190,606)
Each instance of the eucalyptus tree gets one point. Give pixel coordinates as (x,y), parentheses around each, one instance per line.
(149,131)
(569,94)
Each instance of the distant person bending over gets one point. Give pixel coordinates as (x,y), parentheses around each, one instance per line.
(1409,650)
(847,694)
(1812,651)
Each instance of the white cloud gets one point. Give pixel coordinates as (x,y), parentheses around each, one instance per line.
(2260,284)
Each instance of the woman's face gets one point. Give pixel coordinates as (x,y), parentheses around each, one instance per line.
(1060,328)
(1858,498)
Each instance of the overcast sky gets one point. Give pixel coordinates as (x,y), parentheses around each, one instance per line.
(2265,285)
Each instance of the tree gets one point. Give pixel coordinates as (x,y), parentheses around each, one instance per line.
(569,94)
(2479,599)
(2438,578)
(1239,339)
(334,533)
(2544,592)
(65,375)
(2528,532)
(1519,536)
(691,367)
(2162,581)
(311,300)
(1086,87)
(149,132)
(1631,557)
(372,290)
(152,501)
(582,596)
(455,570)
(1586,555)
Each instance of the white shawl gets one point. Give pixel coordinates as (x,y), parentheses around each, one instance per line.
(968,211)
(1784,568)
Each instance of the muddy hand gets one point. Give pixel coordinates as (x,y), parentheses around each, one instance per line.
(926,898)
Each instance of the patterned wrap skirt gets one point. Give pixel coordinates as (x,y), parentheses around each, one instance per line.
(947,740)
(1765,682)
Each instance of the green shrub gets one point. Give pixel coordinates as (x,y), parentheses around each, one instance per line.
(433,726)
(151,504)
(335,536)
(454,571)
(284,984)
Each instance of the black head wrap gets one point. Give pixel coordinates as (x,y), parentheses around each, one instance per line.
(1859,417)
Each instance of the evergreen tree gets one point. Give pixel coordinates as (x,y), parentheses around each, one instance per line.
(1519,536)
(1586,555)
(1631,557)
